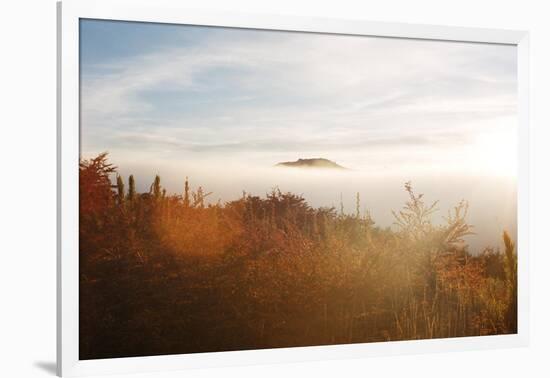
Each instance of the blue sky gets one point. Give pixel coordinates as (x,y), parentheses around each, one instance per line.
(168,93)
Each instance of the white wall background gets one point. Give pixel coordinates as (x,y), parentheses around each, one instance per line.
(27,186)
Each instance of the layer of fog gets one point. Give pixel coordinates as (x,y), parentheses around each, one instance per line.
(491,199)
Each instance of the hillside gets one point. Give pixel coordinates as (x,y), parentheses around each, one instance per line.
(311,163)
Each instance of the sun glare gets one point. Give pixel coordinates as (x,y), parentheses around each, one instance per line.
(496,153)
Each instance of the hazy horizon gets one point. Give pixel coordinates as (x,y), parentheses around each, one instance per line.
(222,106)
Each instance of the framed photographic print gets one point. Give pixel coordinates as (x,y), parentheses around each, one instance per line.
(240,189)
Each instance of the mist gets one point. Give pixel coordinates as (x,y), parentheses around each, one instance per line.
(491,198)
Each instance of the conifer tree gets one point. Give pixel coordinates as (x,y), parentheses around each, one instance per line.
(120,189)
(198,198)
(186,193)
(156,188)
(131,188)
(357,206)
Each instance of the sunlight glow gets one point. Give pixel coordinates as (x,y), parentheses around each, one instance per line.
(496,153)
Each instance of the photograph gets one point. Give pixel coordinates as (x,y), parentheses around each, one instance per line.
(244,189)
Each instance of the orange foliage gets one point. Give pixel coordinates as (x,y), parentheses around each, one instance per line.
(165,274)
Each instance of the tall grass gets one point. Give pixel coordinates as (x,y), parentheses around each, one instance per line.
(168,273)
(511,269)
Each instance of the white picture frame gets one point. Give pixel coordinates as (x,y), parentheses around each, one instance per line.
(69,13)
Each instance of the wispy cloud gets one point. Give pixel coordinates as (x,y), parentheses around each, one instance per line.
(275,93)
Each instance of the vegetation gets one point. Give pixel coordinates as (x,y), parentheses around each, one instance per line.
(167,273)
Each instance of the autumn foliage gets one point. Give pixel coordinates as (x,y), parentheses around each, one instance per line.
(169,273)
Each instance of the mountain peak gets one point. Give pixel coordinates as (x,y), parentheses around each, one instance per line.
(320,163)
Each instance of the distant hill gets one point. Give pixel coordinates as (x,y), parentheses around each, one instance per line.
(311,163)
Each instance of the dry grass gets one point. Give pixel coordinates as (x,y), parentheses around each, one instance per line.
(162,274)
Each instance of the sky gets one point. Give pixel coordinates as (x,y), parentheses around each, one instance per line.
(224,105)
